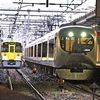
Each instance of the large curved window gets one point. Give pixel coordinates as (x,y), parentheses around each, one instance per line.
(72,42)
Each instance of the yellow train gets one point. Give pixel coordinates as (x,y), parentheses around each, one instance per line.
(11,54)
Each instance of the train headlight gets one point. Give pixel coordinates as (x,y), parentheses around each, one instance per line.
(83,34)
(18,55)
(4,54)
(4,57)
(70,34)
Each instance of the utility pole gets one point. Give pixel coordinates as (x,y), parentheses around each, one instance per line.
(47,3)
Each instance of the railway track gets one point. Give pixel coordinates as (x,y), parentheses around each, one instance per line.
(37,94)
(55,94)
(27,80)
(84,89)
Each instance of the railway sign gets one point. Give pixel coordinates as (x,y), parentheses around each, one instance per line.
(93,88)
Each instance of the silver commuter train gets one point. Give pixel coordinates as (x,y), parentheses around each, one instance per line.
(70,51)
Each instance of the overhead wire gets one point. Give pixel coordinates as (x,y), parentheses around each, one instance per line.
(16,15)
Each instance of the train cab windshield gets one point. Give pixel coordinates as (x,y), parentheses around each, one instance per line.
(18,47)
(11,47)
(76,42)
(4,47)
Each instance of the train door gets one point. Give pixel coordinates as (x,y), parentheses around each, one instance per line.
(98,48)
(98,53)
(11,51)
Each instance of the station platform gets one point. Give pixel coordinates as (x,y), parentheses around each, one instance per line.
(7,94)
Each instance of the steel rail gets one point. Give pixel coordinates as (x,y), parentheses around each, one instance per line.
(30,85)
(81,89)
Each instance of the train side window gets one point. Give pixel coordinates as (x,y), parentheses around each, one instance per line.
(29,51)
(32,51)
(39,50)
(35,51)
(51,47)
(44,49)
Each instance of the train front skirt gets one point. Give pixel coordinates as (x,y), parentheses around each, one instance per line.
(11,64)
(68,75)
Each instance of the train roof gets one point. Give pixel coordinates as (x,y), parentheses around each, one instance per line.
(11,41)
(51,35)
(76,26)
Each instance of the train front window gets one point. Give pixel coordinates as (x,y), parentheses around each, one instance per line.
(4,47)
(11,48)
(18,47)
(74,43)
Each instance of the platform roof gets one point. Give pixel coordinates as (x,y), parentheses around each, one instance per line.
(25,18)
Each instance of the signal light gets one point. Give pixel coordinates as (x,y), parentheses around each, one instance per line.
(63,81)
(34,70)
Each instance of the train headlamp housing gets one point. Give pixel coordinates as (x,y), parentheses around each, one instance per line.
(18,54)
(4,54)
(83,34)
